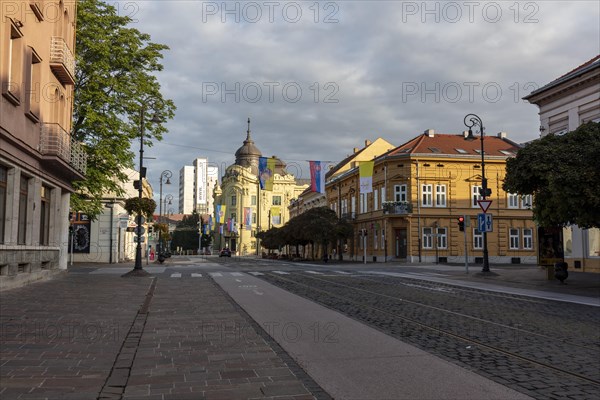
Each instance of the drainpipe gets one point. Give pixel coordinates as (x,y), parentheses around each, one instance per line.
(418,211)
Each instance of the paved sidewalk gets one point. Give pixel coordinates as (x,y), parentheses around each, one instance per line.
(85,336)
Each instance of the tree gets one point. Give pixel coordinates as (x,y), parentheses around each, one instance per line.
(562,174)
(114,80)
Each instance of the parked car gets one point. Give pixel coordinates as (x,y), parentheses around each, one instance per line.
(225,253)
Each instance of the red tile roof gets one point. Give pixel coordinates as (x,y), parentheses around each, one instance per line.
(446,144)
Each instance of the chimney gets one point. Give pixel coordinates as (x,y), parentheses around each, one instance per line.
(356,150)
(502,135)
(430,132)
(367,142)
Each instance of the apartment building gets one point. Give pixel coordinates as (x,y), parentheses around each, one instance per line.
(565,103)
(39,159)
(196,185)
(420,189)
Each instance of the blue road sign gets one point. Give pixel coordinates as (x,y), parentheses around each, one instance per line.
(485,223)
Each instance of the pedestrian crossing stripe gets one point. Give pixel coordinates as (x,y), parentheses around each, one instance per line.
(176,275)
(215,274)
(281,272)
(194,275)
(236,274)
(342,272)
(314,272)
(256,273)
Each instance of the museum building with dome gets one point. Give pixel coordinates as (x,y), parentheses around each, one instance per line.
(239,194)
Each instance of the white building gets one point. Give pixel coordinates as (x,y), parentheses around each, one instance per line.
(186,190)
(196,184)
(565,103)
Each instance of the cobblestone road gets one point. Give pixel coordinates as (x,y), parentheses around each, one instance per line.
(545,349)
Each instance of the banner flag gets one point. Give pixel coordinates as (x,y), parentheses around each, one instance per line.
(248,218)
(221,213)
(266,172)
(317,176)
(211,223)
(220,229)
(366,176)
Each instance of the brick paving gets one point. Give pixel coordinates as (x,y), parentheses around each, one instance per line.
(86,336)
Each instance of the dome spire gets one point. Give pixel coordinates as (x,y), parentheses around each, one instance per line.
(248,131)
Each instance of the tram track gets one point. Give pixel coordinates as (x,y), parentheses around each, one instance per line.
(531,366)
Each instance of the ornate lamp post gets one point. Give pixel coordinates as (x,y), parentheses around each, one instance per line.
(138,250)
(167,201)
(164,176)
(470,121)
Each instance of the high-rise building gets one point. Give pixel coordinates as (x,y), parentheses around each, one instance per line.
(196,185)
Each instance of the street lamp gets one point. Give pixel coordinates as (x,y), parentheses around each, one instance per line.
(470,121)
(166,174)
(138,251)
(167,200)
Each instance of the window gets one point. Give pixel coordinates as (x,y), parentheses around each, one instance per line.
(3,184)
(440,195)
(363,203)
(254,218)
(382,239)
(528,238)
(253,200)
(353,204)
(375,200)
(14,63)
(33,86)
(593,236)
(399,193)
(513,238)
(276,200)
(383,194)
(233,200)
(375,242)
(344,206)
(512,200)
(427,195)
(526,201)
(442,238)
(477,239)
(475,195)
(22,221)
(427,238)
(276,219)
(45,216)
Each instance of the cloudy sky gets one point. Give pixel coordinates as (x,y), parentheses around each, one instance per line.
(318,78)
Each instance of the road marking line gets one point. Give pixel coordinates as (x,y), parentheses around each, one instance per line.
(215,274)
(281,272)
(176,275)
(256,273)
(195,275)
(342,272)
(237,274)
(314,272)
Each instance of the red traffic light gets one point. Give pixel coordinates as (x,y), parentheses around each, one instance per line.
(461,219)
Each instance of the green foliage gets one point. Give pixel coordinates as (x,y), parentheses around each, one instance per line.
(143,206)
(563,175)
(317,225)
(186,233)
(115,79)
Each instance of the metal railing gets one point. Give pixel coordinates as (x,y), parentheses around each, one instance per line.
(397,207)
(55,141)
(60,53)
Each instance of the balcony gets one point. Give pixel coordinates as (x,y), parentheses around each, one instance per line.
(397,207)
(351,216)
(62,62)
(59,148)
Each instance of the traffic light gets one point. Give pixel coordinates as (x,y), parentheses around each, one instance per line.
(461,223)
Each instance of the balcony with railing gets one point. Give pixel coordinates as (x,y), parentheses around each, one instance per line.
(62,62)
(58,148)
(397,207)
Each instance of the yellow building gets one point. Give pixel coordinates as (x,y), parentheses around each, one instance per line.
(240,195)
(38,158)
(420,189)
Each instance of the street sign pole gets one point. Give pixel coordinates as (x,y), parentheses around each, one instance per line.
(466,254)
